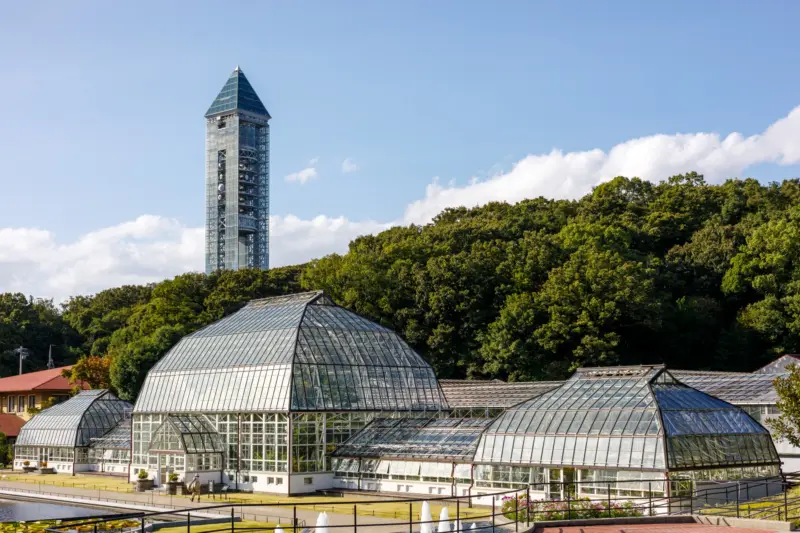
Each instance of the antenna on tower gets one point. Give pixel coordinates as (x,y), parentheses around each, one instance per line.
(23,353)
(50,363)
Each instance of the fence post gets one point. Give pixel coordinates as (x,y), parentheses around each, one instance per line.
(569,507)
(188,522)
(493,513)
(528,505)
(650,497)
(516,513)
(355,519)
(232,520)
(609,500)
(410,518)
(294,518)
(458,514)
(738,487)
(95,527)
(785,504)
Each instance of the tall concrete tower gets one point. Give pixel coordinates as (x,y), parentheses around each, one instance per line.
(237,178)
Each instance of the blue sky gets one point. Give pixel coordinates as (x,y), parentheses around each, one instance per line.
(103,102)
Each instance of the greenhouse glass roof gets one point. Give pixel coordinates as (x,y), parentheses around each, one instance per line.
(117,438)
(739,389)
(778,366)
(75,422)
(452,439)
(299,352)
(186,434)
(492,393)
(626,417)
(703,431)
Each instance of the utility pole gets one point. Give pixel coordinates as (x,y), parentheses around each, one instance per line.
(23,353)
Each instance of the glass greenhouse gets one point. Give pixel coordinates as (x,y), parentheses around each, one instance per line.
(279,384)
(409,454)
(112,451)
(632,428)
(62,435)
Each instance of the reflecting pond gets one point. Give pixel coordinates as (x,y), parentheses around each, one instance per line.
(16,511)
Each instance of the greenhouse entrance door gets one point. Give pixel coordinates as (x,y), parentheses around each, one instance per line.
(168,463)
(562,483)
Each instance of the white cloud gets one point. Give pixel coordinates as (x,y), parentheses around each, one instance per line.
(148,249)
(573,174)
(308,173)
(294,240)
(152,248)
(348,165)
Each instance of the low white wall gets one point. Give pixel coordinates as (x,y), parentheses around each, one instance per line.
(60,466)
(114,468)
(111,468)
(266,482)
(482,496)
(319,481)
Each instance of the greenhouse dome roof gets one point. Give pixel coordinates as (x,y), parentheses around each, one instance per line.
(75,422)
(299,352)
(627,417)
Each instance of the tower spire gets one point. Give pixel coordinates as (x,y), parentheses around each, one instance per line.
(237,94)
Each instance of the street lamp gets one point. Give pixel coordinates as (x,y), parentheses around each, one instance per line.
(23,353)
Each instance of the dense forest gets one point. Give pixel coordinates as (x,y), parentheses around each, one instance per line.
(681,272)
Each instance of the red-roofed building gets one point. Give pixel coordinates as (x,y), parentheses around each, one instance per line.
(10,425)
(18,393)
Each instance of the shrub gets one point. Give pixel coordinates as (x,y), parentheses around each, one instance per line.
(142,474)
(43,464)
(26,463)
(173,477)
(558,510)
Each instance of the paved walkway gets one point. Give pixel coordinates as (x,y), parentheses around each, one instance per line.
(150,501)
(654,528)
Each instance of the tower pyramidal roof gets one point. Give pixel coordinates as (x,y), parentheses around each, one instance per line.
(237,93)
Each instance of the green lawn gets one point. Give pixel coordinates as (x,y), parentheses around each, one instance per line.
(763,508)
(248,525)
(391,509)
(83,481)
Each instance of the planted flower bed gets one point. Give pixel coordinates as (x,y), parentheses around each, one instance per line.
(519,508)
(41,526)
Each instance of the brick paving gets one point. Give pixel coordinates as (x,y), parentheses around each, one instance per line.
(654,528)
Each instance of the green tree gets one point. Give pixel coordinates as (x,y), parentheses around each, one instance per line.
(35,324)
(6,450)
(96,317)
(595,309)
(786,425)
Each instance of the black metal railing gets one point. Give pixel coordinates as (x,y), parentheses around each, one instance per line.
(736,499)
(485,517)
(764,498)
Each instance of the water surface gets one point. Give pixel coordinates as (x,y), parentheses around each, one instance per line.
(18,511)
